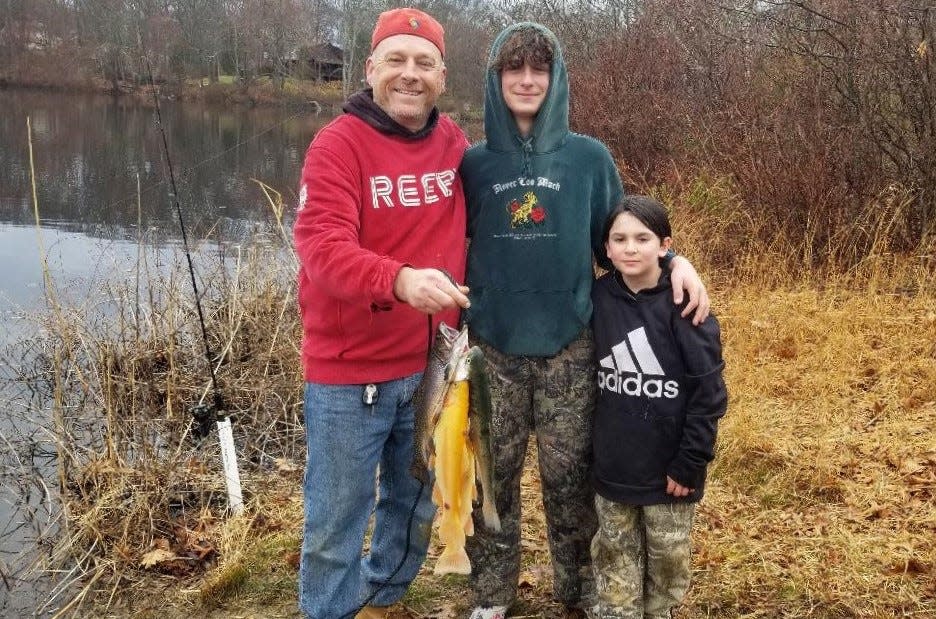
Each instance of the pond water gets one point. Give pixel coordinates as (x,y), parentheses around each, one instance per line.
(91,153)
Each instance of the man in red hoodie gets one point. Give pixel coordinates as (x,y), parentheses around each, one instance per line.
(381,222)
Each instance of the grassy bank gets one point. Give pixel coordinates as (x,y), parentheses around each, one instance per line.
(263,90)
(823,496)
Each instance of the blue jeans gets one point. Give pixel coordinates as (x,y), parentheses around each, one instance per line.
(346,441)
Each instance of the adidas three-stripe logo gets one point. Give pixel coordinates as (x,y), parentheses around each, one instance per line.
(643,361)
(634,356)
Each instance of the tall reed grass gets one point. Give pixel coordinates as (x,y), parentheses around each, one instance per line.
(734,243)
(135,477)
(139,489)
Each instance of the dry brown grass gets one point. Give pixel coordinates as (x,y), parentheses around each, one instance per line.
(823,495)
(821,502)
(140,492)
(140,495)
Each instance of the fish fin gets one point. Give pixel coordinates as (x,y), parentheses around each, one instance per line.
(436,495)
(427,449)
(451,532)
(453,562)
(470,486)
(469,525)
(489,511)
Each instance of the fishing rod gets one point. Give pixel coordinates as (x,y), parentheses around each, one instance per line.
(409,522)
(389,581)
(202,413)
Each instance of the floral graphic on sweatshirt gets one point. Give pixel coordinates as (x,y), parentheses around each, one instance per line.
(526,212)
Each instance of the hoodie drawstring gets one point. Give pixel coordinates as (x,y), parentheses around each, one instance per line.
(526,148)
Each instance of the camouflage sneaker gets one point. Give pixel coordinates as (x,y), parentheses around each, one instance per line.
(489,612)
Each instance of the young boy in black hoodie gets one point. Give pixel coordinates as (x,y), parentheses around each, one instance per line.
(660,395)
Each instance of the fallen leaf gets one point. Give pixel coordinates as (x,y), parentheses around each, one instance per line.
(877,511)
(911,565)
(156,556)
(161,543)
(527,580)
(285,465)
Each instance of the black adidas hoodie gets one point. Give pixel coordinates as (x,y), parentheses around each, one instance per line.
(660,394)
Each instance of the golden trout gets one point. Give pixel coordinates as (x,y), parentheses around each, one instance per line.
(454,488)
(453,414)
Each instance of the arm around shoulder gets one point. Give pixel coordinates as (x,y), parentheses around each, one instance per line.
(684,277)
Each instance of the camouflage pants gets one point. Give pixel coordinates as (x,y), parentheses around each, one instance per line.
(553,397)
(641,557)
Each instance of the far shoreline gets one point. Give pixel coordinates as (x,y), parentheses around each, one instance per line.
(257,92)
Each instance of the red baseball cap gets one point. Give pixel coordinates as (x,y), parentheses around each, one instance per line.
(408,21)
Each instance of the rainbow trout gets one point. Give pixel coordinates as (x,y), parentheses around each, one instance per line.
(453,417)
(430,394)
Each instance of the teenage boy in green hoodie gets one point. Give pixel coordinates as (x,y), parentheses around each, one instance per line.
(537,197)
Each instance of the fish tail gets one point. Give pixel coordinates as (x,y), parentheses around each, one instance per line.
(453,561)
(489,511)
(469,523)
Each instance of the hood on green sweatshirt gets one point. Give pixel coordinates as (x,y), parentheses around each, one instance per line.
(536,207)
(551,125)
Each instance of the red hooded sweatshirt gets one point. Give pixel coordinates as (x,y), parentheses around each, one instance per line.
(374,197)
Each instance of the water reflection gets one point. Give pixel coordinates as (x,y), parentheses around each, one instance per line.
(90,149)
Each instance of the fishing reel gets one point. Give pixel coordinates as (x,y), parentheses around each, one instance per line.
(206,417)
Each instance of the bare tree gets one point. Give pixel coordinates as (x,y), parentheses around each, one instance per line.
(877,59)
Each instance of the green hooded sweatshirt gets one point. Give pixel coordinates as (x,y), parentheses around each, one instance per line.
(536,208)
